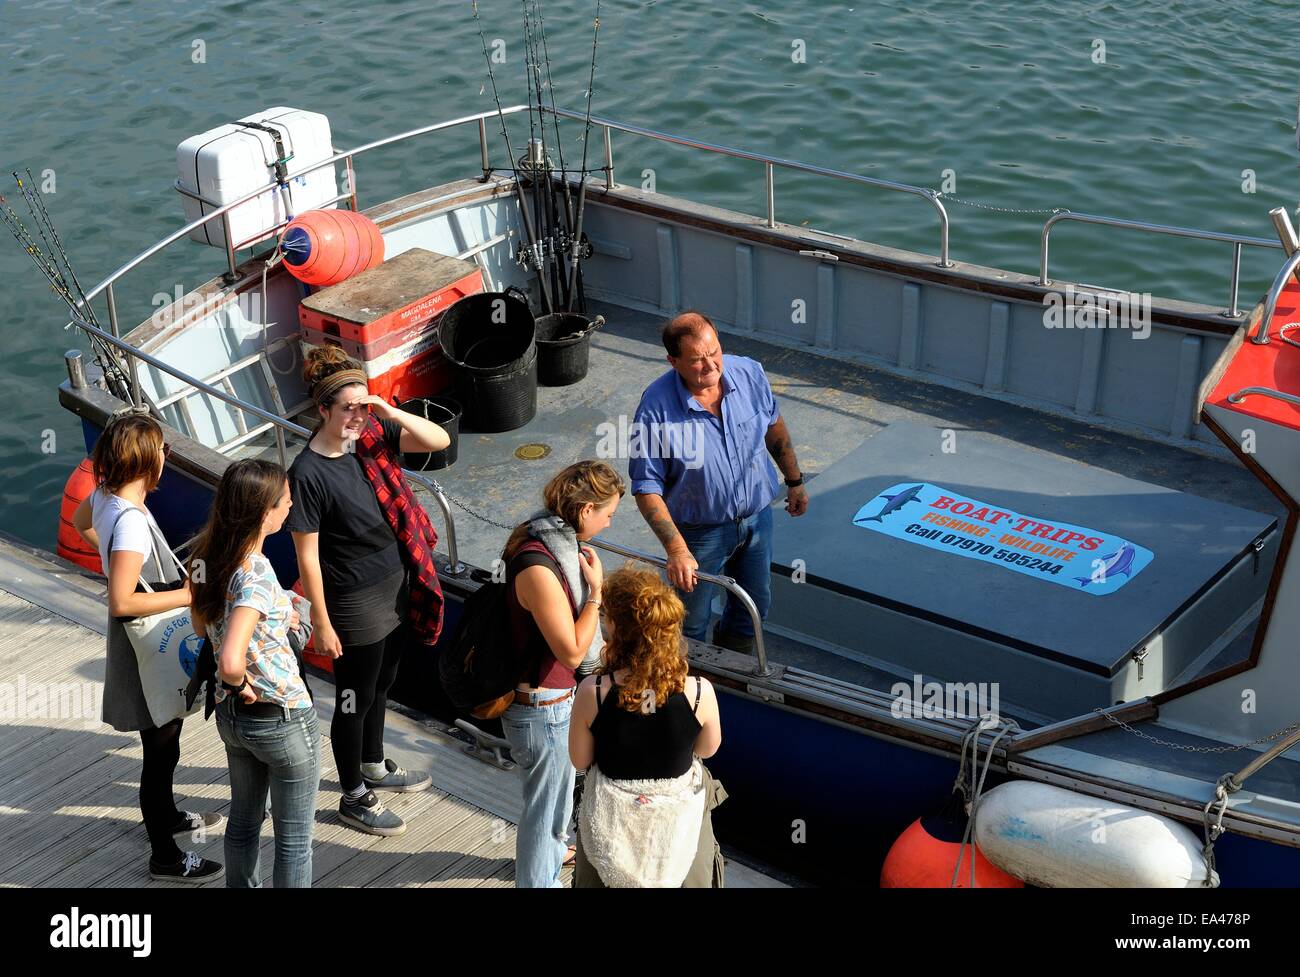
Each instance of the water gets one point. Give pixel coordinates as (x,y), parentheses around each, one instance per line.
(1014,99)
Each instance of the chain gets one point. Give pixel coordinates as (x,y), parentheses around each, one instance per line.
(476,515)
(1198,749)
(1001,210)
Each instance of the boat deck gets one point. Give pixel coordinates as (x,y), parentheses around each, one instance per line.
(68,785)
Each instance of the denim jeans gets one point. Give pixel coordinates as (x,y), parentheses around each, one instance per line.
(740,548)
(539,744)
(282,755)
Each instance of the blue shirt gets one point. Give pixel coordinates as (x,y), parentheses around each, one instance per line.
(708,470)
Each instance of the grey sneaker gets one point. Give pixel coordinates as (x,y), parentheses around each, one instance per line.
(370,816)
(399,779)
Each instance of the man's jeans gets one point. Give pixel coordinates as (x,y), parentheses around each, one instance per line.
(539,744)
(282,755)
(742,549)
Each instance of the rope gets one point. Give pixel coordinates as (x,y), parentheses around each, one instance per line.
(972,791)
(1213,824)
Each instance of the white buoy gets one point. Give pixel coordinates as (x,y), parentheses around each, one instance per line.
(1058,838)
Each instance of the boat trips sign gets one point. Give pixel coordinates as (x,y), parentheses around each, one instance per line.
(1093,562)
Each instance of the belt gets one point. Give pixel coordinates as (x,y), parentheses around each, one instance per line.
(260,710)
(523,699)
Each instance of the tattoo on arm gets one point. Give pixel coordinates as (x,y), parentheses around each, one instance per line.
(661,524)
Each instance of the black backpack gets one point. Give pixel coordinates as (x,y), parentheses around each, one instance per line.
(483,664)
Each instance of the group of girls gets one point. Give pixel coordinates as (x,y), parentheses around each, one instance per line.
(639,721)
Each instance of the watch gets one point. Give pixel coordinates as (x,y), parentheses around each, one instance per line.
(794,482)
(236,689)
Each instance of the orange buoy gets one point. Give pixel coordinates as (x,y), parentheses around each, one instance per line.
(925,854)
(309,653)
(324,247)
(70,545)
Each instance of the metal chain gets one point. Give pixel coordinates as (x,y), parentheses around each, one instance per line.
(1001,210)
(1198,749)
(476,515)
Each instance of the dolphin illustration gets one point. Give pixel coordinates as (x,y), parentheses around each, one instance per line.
(1113,564)
(895,503)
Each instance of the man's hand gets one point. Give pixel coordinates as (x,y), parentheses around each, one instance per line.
(796,500)
(682,570)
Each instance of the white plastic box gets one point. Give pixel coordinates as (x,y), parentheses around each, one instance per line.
(225,163)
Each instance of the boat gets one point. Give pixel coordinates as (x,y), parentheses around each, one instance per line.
(1050,524)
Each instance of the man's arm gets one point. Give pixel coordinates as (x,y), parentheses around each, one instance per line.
(781,449)
(681,565)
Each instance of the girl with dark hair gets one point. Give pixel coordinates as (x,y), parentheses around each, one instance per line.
(128,463)
(364,549)
(264,711)
(553,595)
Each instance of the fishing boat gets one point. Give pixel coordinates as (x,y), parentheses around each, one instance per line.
(1050,526)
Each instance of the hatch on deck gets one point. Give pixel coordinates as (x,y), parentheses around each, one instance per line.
(963,557)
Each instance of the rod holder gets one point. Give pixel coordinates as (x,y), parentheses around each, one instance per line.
(1285,232)
(76,368)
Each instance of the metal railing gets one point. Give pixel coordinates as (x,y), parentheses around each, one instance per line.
(457,568)
(1236,240)
(1245,392)
(1260,335)
(769,165)
(727,583)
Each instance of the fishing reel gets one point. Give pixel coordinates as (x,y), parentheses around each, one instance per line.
(557,247)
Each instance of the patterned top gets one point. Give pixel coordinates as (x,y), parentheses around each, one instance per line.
(270,663)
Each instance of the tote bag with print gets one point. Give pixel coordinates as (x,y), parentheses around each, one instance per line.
(166,650)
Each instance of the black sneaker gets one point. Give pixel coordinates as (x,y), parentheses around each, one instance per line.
(399,779)
(191,822)
(192,869)
(370,816)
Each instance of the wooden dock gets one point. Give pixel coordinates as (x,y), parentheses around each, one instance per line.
(69,783)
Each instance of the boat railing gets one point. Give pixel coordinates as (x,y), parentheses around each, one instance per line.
(727,583)
(76,374)
(1236,240)
(1260,336)
(1240,395)
(769,166)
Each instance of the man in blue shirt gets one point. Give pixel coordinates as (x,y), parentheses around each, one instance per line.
(702,478)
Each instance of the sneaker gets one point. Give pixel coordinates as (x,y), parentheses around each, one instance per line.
(399,779)
(191,822)
(193,869)
(370,816)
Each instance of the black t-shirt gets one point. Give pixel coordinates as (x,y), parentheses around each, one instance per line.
(332,497)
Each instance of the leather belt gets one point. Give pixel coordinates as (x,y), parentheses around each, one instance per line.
(524,698)
(260,710)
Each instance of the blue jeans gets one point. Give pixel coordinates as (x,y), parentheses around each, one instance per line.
(281,754)
(539,744)
(740,548)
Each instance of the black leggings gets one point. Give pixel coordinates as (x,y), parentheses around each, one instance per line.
(363,675)
(162,751)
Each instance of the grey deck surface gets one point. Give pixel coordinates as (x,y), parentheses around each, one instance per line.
(68,786)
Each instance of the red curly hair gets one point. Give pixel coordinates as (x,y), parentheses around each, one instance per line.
(647,616)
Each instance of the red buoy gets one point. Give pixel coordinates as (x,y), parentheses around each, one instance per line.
(70,545)
(309,653)
(324,247)
(925,854)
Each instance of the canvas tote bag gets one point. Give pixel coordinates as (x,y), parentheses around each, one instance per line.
(166,648)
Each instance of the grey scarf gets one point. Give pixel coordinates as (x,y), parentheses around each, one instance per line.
(562,541)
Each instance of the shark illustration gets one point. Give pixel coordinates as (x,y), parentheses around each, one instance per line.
(1113,564)
(895,503)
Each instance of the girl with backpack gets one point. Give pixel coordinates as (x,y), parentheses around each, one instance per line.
(642,726)
(365,552)
(128,462)
(553,594)
(264,711)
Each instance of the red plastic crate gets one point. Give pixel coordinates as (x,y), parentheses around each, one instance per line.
(366,313)
(415,369)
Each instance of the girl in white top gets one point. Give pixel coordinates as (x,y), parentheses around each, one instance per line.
(128,462)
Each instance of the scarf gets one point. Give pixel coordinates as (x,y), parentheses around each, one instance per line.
(561,540)
(410,524)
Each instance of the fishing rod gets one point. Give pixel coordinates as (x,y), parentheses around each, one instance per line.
(529,231)
(576,247)
(543,203)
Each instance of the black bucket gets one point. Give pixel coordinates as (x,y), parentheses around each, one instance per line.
(445,412)
(564,347)
(496,362)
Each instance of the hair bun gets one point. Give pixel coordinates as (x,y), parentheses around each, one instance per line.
(322,361)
